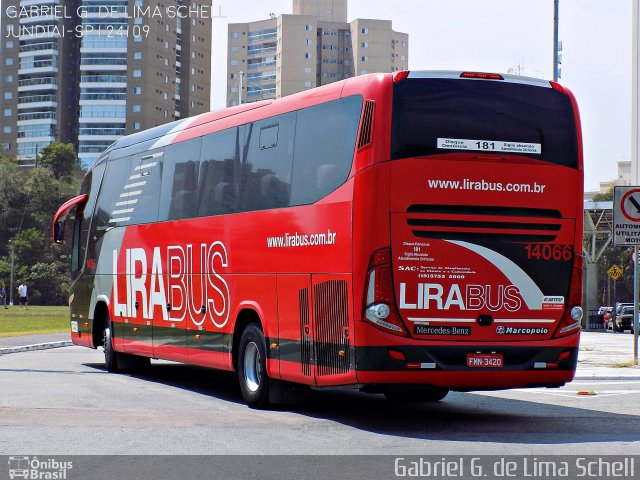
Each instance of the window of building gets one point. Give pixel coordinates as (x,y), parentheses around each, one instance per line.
(8,78)
(307,41)
(9,44)
(137,55)
(364,44)
(364,31)
(234,35)
(165,95)
(308,84)
(137,90)
(8,95)
(307,69)
(308,28)
(137,73)
(8,112)
(7,129)
(8,61)
(136,125)
(136,108)
(233,63)
(365,58)
(307,55)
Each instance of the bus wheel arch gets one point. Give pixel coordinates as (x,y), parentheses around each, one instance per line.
(245,317)
(100,315)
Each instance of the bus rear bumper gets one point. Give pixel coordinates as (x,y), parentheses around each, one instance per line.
(455,367)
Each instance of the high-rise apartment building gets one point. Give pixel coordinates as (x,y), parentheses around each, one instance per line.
(90,71)
(314,46)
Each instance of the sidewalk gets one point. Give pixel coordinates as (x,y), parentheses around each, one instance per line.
(34,342)
(599,351)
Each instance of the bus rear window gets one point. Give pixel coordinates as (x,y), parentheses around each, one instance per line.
(436,116)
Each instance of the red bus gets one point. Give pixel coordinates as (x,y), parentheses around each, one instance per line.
(408,234)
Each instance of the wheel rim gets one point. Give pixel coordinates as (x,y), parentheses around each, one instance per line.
(252,367)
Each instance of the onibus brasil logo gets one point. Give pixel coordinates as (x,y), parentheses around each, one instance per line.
(35,469)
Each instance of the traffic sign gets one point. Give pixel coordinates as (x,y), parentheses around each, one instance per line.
(615,272)
(626,216)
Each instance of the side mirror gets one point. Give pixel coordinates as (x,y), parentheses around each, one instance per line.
(58,231)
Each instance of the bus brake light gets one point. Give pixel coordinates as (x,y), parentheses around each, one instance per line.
(482,75)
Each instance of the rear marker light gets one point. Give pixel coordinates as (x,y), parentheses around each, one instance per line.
(397,355)
(564,356)
(482,76)
(399,76)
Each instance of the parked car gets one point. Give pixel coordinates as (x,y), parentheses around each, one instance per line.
(624,319)
(603,309)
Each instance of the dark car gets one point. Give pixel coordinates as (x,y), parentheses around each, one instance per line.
(624,319)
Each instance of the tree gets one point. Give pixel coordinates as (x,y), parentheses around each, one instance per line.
(604,197)
(60,158)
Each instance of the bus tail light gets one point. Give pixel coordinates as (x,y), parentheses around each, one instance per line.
(572,317)
(379,301)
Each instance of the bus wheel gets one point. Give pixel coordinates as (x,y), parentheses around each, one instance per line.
(411,395)
(110,355)
(252,367)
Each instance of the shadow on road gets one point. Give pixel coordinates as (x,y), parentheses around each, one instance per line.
(461,417)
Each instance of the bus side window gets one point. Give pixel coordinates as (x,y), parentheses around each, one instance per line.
(265,181)
(325,146)
(146,178)
(219,164)
(180,180)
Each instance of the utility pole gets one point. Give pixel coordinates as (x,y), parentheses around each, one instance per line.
(240,88)
(556,19)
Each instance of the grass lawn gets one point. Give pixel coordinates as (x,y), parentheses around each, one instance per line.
(17,321)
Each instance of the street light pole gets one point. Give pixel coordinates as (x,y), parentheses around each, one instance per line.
(556,8)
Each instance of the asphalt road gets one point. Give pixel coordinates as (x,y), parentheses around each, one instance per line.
(63,402)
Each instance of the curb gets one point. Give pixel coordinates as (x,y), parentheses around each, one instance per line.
(595,376)
(37,346)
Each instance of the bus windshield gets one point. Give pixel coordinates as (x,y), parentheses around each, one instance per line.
(444,115)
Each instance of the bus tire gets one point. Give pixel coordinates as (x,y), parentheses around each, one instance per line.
(415,395)
(252,367)
(111,357)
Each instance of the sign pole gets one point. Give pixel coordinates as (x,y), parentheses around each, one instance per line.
(636,311)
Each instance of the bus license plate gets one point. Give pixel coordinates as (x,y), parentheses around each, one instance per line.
(485,360)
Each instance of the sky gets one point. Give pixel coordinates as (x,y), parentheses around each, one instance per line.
(495,36)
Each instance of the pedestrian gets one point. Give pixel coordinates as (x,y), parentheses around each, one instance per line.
(22,293)
(3,295)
